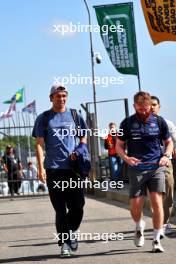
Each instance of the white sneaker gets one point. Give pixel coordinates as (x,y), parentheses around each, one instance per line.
(157,248)
(162,233)
(65,251)
(167,229)
(139,236)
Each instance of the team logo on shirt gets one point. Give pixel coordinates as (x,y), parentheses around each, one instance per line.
(152,124)
(135,125)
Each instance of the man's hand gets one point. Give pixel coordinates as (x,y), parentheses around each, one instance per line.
(132,161)
(164,161)
(5,168)
(42,175)
(73,156)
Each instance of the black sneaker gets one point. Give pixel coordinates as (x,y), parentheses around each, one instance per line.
(65,251)
(74,244)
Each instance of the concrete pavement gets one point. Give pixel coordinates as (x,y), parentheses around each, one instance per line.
(27,227)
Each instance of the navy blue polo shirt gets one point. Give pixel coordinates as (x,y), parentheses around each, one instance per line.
(60,141)
(144,139)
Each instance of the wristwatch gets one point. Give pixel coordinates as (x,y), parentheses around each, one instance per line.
(166,155)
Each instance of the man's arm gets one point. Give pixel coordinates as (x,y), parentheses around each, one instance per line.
(20,166)
(40,158)
(4,165)
(120,149)
(164,161)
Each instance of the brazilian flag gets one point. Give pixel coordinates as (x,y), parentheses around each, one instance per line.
(18,97)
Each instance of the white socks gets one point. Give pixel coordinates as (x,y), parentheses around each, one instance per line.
(139,224)
(157,233)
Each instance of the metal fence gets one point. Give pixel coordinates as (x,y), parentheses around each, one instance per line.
(21,187)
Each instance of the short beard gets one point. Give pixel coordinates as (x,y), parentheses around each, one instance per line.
(143,117)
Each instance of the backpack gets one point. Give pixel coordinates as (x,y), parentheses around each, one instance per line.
(46,119)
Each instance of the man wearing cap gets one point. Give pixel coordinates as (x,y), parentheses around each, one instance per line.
(48,130)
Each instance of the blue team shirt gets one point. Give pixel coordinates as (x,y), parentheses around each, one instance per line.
(58,145)
(144,139)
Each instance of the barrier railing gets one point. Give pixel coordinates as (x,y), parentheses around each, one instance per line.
(20,187)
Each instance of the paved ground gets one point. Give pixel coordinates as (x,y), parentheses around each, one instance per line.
(27,227)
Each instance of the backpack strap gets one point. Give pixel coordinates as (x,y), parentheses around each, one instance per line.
(76,119)
(127,127)
(160,125)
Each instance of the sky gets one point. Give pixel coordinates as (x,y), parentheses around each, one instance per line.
(32,54)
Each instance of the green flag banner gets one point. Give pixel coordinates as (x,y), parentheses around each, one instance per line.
(120,39)
(18,97)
